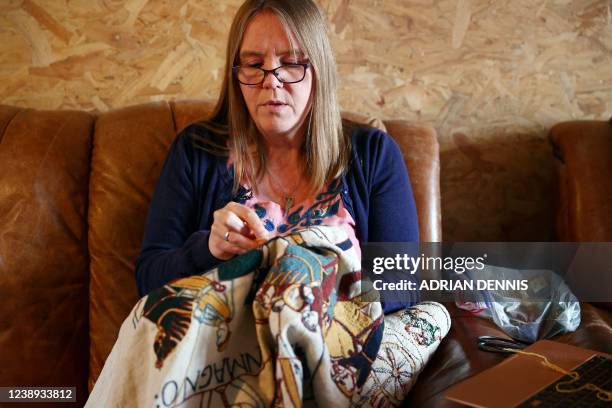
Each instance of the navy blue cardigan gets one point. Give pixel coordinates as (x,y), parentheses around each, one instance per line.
(194,183)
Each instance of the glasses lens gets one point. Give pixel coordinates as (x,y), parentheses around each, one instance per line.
(250,75)
(290,73)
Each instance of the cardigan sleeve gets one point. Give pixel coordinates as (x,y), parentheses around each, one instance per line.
(392,211)
(172,247)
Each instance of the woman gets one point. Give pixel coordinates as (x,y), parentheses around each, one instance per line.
(273,157)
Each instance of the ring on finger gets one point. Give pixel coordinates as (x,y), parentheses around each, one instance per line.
(226,236)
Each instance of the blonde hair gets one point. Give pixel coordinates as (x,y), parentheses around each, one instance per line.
(326,147)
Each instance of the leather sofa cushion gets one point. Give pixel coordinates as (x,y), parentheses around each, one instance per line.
(44,265)
(130,146)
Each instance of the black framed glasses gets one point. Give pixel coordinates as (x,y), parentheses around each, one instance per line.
(286,73)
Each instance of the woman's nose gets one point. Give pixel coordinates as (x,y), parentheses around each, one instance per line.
(271,81)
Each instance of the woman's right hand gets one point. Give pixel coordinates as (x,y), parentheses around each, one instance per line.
(236,229)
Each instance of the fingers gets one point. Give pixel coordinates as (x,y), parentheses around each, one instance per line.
(233,222)
(225,243)
(232,238)
(230,234)
(251,219)
(236,229)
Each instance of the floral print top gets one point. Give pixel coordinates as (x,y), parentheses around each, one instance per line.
(326,208)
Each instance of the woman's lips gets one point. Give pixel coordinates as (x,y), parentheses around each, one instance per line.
(274,106)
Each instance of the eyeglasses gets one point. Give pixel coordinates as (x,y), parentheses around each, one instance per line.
(287,73)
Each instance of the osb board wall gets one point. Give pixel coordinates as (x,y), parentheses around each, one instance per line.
(491,77)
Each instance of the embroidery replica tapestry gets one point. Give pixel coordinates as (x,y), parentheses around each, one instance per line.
(287,325)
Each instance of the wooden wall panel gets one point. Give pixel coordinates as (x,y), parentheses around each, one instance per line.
(491,76)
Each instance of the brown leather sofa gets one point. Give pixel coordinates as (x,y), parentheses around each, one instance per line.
(74,193)
(583,156)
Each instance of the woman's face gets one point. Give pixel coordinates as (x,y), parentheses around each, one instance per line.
(278,109)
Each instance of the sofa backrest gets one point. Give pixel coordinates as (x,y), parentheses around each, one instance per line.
(584,166)
(44,262)
(97,177)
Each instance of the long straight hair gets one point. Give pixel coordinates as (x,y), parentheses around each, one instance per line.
(326,147)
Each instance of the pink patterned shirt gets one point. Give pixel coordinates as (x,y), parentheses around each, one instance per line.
(326,208)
